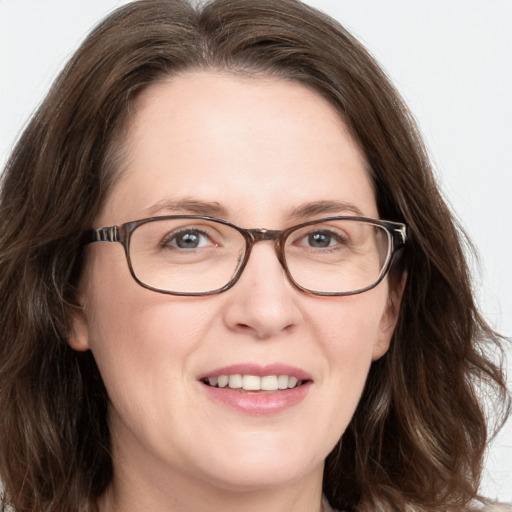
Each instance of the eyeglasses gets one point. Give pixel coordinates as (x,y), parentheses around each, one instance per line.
(196,255)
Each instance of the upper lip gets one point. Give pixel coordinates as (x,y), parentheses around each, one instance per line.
(258,370)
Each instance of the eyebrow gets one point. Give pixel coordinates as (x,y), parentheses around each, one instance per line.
(326,207)
(188,206)
(215,209)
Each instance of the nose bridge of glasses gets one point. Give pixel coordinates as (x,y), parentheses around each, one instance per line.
(266,235)
(260,235)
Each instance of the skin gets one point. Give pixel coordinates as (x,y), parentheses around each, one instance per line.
(259,148)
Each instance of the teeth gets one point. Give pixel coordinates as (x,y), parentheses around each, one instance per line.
(251,383)
(292,382)
(282,381)
(269,383)
(223,381)
(254,383)
(235,381)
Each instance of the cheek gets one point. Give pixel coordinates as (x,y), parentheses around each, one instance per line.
(349,327)
(140,339)
(347,334)
(136,337)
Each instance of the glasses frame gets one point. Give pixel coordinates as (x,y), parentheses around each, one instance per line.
(396,231)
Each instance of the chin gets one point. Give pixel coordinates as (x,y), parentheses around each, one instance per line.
(264,466)
(241,478)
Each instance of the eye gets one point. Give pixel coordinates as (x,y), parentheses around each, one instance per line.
(321,239)
(187,239)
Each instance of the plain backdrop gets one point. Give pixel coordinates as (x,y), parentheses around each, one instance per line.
(452,62)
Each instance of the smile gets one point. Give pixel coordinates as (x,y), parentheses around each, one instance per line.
(255,389)
(254,382)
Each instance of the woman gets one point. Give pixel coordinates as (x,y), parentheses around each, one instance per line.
(229,281)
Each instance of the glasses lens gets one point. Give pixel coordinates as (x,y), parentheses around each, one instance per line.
(187,255)
(338,256)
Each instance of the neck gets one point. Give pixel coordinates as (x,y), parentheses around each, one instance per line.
(179,493)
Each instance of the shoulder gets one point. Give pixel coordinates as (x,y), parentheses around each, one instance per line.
(487,507)
(490,507)
(493,507)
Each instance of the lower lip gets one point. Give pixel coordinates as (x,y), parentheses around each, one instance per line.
(258,403)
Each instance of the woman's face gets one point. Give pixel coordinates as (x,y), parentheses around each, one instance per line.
(260,153)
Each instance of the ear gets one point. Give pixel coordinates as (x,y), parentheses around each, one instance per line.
(78,335)
(389,318)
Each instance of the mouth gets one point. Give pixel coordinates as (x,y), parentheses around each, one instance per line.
(257,390)
(254,383)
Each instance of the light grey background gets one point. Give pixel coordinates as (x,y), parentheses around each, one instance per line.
(451,60)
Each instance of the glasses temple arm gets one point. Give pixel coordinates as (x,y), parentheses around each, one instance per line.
(110,234)
(399,237)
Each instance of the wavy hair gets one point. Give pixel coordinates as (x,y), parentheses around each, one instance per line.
(419,433)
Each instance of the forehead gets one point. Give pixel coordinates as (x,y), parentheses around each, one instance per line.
(247,143)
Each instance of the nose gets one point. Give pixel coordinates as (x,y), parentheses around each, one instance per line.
(263,303)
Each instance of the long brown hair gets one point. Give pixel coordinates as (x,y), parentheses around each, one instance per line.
(419,433)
